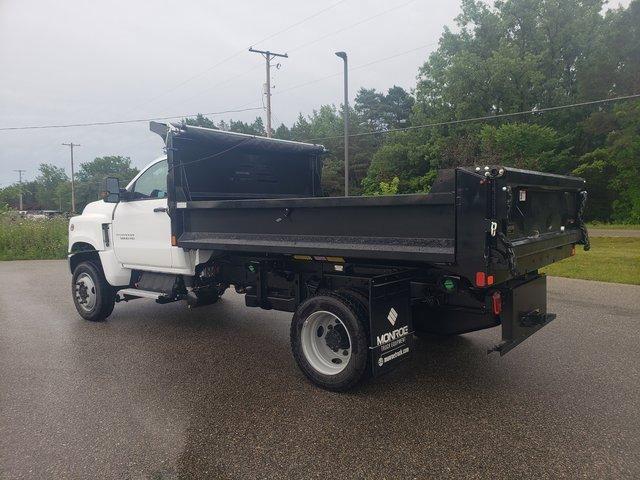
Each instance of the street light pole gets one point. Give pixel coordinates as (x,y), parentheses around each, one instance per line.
(345,117)
(73,187)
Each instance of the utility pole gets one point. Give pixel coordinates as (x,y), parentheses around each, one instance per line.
(73,187)
(268,56)
(345,117)
(20,172)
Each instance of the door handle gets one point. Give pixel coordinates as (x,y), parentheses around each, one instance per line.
(160,209)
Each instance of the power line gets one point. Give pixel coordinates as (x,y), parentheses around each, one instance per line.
(486,117)
(120,122)
(300,22)
(357,67)
(222,82)
(238,110)
(239,52)
(303,45)
(364,65)
(295,87)
(360,22)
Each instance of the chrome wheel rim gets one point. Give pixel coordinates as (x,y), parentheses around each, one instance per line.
(326,343)
(85,292)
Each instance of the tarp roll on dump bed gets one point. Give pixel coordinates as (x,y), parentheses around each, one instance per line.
(212,164)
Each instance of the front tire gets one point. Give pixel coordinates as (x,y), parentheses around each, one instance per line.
(93,297)
(329,341)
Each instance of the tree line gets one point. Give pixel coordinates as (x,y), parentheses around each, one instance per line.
(505,57)
(51,189)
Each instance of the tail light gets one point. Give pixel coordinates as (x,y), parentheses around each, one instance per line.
(496,303)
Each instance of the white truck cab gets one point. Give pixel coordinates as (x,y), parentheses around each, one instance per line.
(110,242)
(132,235)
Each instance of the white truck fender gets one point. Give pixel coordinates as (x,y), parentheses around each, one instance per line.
(93,229)
(87,228)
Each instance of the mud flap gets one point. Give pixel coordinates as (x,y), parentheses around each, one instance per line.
(524,312)
(390,325)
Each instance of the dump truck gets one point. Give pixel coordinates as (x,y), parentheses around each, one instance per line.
(362,275)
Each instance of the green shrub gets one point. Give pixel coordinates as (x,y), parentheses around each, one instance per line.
(31,239)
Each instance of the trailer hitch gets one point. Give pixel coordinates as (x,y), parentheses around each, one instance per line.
(535,317)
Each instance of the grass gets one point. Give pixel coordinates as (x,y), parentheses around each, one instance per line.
(32,239)
(609,260)
(613,226)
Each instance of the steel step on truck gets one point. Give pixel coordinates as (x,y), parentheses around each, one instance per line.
(361,275)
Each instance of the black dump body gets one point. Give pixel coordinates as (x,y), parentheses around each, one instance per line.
(239,193)
(463,257)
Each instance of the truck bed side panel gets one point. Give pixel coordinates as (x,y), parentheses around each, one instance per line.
(418,228)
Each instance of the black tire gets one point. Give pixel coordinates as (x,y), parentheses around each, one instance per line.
(358,297)
(105,294)
(354,318)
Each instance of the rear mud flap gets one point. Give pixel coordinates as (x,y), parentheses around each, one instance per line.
(390,325)
(524,312)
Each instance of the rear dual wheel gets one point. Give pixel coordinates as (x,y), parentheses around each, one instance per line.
(329,340)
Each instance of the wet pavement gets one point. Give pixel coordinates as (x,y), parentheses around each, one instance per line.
(161,392)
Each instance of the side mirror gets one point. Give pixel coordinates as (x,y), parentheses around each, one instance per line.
(112,190)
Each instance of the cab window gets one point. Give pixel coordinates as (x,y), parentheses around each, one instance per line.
(152,183)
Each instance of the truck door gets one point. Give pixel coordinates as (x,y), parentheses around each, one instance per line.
(141,225)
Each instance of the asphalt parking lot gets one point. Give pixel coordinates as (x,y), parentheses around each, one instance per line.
(161,392)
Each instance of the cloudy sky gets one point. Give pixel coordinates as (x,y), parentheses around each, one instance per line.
(77,61)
